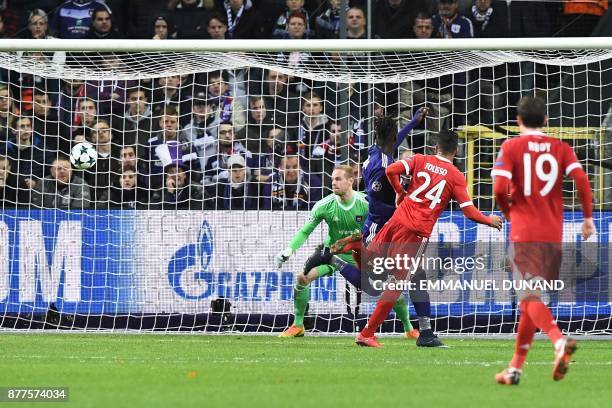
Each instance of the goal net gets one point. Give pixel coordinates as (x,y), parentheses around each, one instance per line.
(209,162)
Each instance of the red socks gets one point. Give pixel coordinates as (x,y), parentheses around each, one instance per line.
(540,315)
(382,310)
(534,315)
(524,337)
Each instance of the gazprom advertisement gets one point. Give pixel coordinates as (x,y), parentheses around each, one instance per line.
(119,262)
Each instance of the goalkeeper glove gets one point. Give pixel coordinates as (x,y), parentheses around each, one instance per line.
(282,257)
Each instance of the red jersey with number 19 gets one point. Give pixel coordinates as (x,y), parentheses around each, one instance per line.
(434,181)
(535,164)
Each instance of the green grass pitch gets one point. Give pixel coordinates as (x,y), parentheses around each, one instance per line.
(104,370)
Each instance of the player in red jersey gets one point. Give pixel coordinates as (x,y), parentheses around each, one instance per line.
(531,169)
(434,181)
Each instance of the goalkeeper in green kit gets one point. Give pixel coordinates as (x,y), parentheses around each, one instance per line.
(344,211)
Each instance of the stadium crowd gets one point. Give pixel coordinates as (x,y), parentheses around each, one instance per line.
(239,139)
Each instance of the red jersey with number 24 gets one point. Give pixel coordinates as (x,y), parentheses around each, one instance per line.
(535,164)
(434,182)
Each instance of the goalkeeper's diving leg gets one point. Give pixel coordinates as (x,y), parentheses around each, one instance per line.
(322,263)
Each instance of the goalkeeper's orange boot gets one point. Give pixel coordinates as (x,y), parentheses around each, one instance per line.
(563,357)
(510,376)
(293,331)
(412,334)
(364,341)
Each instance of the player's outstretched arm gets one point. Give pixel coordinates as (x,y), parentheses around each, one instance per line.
(475,215)
(416,119)
(300,237)
(460,194)
(586,198)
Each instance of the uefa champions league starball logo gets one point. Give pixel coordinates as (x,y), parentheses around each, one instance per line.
(189,263)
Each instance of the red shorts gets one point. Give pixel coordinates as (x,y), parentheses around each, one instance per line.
(541,259)
(396,233)
(393,240)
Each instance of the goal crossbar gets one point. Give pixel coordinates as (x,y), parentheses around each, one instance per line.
(373,45)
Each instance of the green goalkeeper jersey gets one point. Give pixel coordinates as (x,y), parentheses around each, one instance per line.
(342,219)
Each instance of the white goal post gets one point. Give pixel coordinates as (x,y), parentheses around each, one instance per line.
(212,154)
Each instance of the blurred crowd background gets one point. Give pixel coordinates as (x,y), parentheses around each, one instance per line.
(247,138)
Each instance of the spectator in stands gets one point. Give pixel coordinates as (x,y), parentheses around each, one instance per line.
(7,108)
(287,187)
(99,176)
(38,28)
(126,192)
(227,108)
(45,122)
(25,150)
(38,24)
(169,128)
(62,189)
(137,123)
(423,26)
(282,104)
(327,24)
(216,166)
(8,184)
(282,22)
(582,16)
(448,23)
(243,21)
(67,102)
(296,30)
(87,114)
(237,191)
(201,132)
(179,193)
(141,15)
(489,19)
(333,150)
(393,18)
(170,92)
(333,144)
(165,148)
(72,19)
(102,26)
(356,24)
(109,93)
(129,159)
(217,27)
(190,19)
(258,125)
(163,28)
(312,132)
(272,144)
